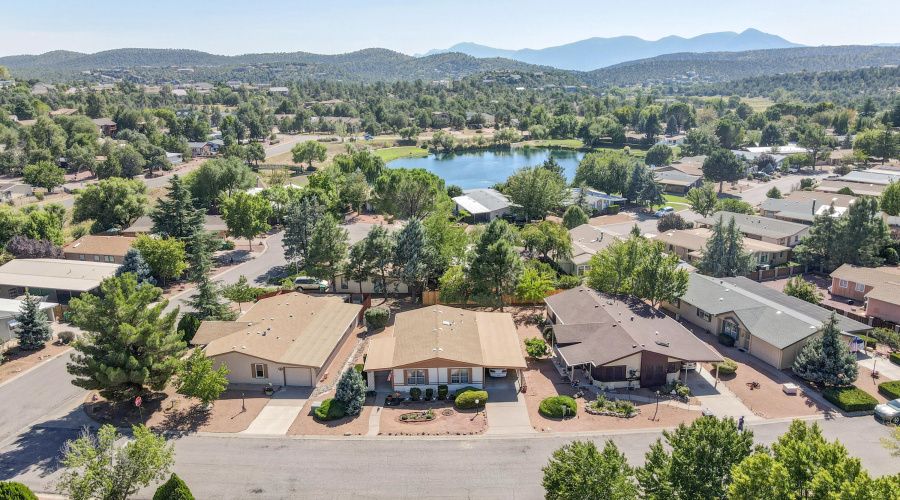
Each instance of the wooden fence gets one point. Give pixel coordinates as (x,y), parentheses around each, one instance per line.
(866,320)
(775,273)
(431,298)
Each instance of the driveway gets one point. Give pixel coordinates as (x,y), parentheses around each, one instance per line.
(506,409)
(277,416)
(717,398)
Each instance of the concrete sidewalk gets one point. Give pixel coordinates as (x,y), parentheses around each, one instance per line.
(279,414)
(506,409)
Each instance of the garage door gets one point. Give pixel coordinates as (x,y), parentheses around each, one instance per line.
(298,377)
(766,352)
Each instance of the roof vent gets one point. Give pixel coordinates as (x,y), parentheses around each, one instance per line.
(290,315)
(721,282)
(634,346)
(250,324)
(596,306)
(664,344)
(632,319)
(234,347)
(277,338)
(243,347)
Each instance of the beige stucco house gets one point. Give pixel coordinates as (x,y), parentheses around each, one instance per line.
(878,288)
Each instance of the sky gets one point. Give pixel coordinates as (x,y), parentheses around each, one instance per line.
(231,27)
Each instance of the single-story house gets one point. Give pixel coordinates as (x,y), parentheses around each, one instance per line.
(441,345)
(801,212)
(10,308)
(689,245)
(596,200)
(98,248)
(858,189)
(771,325)
(13,190)
(617,342)
(199,148)
(279,90)
(144,225)
(780,232)
(61,279)
(586,241)
(787,149)
(174,158)
(867,177)
(841,202)
(675,181)
(372,285)
(671,140)
(216,144)
(878,287)
(751,161)
(107,126)
(485,205)
(289,339)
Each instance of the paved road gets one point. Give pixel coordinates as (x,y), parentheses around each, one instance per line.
(757,195)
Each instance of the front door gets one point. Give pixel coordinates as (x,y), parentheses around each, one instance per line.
(653,369)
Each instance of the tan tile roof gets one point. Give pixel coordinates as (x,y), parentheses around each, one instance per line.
(695,239)
(885,280)
(291,329)
(100,245)
(448,335)
(588,240)
(840,200)
(835,185)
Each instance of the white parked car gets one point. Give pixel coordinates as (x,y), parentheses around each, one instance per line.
(664,211)
(497,372)
(309,283)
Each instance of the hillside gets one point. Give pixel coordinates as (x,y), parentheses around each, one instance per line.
(725,66)
(594,53)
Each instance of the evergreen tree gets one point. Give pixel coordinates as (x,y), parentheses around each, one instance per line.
(327,248)
(825,359)
(300,222)
(135,264)
(410,258)
(32,329)
(128,347)
(724,253)
(175,215)
(380,245)
(360,267)
(351,390)
(206,303)
(574,217)
(723,166)
(858,237)
(496,265)
(174,488)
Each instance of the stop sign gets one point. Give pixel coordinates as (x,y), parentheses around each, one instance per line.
(137,401)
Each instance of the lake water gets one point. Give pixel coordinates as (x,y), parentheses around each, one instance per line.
(483,169)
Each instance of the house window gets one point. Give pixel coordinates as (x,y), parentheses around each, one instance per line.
(764,257)
(109,258)
(415,377)
(259,370)
(860,287)
(730,328)
(703,314)
(97,258)
(612,373)
(672,367)
(842,283)
(796,238)
(781,255)
(81,257)
(345,284)
(459,376)
(583,269)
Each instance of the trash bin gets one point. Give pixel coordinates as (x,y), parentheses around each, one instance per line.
(708,413)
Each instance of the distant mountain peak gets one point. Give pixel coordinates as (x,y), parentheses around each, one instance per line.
(598,52)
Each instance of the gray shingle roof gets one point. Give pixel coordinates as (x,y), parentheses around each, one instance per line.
(676,176)
(482,201)
(770,315)
(756,225)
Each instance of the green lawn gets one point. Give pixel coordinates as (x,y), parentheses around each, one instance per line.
(391,154)
(676,202)
(565,143)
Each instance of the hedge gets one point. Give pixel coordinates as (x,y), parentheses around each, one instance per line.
(377,317)
(466,389)
(331,409)
(726,367)
(173,489)
(850,398)
(895,358)
(553,407)
(442,392)
(466,400)
(891,390)
(15,491)
(726,340)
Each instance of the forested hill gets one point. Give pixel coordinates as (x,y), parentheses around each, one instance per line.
(363,65)
(725,66)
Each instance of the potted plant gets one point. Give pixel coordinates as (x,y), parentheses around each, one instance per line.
(429,394)
(269,390)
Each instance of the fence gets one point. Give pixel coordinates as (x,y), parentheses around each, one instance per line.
(866,320)
(778,272)
(431,298)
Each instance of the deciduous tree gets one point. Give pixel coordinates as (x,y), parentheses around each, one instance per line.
(246,216)
(197,379)
(703,199)
(327,248)
(409,193)
(45,175)
(165,256)
(111,203)
(723,166)
(309,152)
(803,290)
(579,471)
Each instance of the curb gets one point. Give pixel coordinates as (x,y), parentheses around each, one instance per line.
(35,367)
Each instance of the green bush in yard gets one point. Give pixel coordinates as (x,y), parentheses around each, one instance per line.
(377,317)
(466,389)
(890,390)
(850,398)
(331,409)
(895,358)
(558,407)
(466,400)
(415,393)
(15,491)
(442,392)
(726,340)
(173,489)
(726,367)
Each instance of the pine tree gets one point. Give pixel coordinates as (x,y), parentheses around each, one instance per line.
(299,224)
(128,346)
(175,214)
(410,259)
(351,390)
(207,303)
(327,248)
(724,254)
(496,265)
(135,264)
(825,359)
(858,237)
(32,329)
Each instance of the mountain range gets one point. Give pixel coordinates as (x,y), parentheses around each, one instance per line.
(596,53)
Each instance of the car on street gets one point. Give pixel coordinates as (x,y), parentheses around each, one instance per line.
(497,372)
(368,137)
(889,412)
(664,211)
(309,283)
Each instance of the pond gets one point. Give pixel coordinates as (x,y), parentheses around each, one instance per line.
(483,169)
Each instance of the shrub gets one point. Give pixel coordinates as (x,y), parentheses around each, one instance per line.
(727,367)
(466,400)
(227,245)
(726,340)
(891,257)
(850,398)
(429,394)
(669,222)
(466,389)
(415,393)
(567,282)
(612,209)
(188,325)
(377,317)
(442,392)
(895,358)
(871,343)
(39,196)
(15,491)
(173,489)
(558,407)
(66,337)
(331,409)
(891,390)
(536,347)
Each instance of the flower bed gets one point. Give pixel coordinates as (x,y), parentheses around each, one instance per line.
(612,408)
(417,416)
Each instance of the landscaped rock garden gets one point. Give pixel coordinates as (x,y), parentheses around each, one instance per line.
(612,408)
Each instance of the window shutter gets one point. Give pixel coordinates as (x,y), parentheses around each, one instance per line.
(253,370)
(266,371)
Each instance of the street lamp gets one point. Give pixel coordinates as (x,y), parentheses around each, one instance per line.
(243,405)
(657,406)
(476,406)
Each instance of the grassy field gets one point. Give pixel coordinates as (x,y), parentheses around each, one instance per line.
(564,143)
(391,154)
(757,103)
(676,202)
